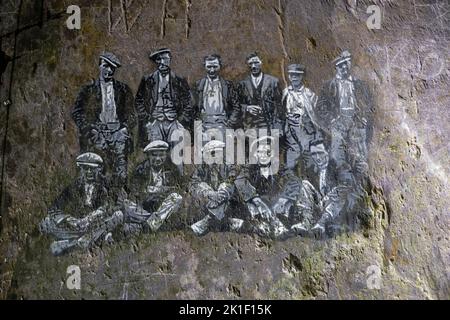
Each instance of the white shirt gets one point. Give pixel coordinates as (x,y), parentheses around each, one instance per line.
(256,80)
(89,191)
(296,101)
(212,97)
(266,172)
(163,80)
(347,99)
(108,113)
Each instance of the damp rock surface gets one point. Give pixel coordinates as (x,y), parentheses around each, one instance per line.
(403,254)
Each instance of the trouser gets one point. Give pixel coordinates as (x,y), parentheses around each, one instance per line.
(214,214)
(113,146)
(83,232)
(338,206)
(298,139)
(137,219)
(348,141)
(162,130)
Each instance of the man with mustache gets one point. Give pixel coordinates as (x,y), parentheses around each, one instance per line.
(163,101)
(105,118)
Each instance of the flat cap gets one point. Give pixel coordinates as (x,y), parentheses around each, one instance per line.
(343,57)
(157,145)
(111,59)
(213,145)
(296,68)
(89,159)
(155,54)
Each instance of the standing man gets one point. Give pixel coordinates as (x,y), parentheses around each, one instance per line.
(163,101)
(216,99)
(105,118)
(346,103)
(300,127)
(84,213)
(260,97)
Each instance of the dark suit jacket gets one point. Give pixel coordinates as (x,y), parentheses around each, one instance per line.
(230,101)
(271,96)
(328,104)
(250,184)
(147,98)
(71,201)
(142,178)
(88,106)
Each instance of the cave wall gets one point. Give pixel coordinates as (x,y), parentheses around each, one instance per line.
(405,63)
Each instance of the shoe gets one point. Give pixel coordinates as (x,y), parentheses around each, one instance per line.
(299,229)
(318,230)
(154,223)
(236,224)
(108,238)
(201,227)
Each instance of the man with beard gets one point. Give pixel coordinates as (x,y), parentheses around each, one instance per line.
(84,213)
(105,118)
(212,187)
(260,188)
(163,101)
(155,191)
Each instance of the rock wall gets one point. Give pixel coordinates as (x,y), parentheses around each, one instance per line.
(406,63)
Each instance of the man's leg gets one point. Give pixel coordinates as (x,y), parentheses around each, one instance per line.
(119,145)
(305,204)
(293,147)
(155,130)
(170,205)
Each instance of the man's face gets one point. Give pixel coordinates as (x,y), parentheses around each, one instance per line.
(157,158)
(264,155)
(319,156)
(212,68)
(255,65)
(343,69)
(106,71)
(163,62)
(296,79)
(90,173)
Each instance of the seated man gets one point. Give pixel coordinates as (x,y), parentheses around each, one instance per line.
(260,188)
(154,186)
(323,194)
(212,187)
(338,192)
(318,189)
(81,215)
